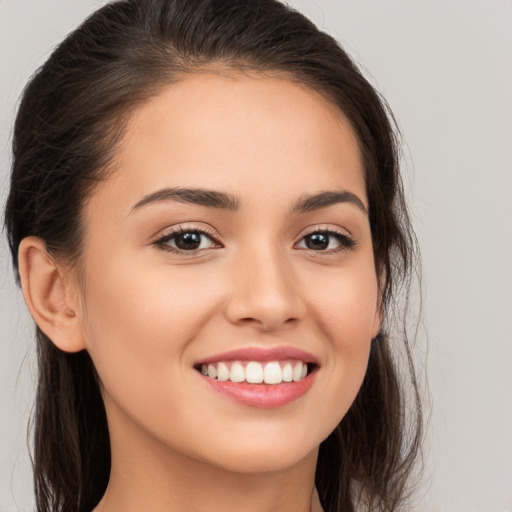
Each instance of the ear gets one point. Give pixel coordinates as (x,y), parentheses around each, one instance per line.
(47,289)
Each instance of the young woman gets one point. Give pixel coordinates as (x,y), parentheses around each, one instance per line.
(208,225)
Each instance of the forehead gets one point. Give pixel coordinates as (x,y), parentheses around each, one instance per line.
(237,133)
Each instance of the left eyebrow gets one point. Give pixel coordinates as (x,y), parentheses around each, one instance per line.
(310,202)
(199,196)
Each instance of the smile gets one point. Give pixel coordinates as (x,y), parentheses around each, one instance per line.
(260,377)
(254,372)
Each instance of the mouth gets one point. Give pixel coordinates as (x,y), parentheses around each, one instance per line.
(256,372)
(256,377)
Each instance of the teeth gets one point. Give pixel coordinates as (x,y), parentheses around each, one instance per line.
(237,373)
(297,372)
(254,372)
(287,372)
(212,371)
(222,372)
(272,373)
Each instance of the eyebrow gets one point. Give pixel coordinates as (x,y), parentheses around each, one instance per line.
(203,197)
(309,202)
(221,200)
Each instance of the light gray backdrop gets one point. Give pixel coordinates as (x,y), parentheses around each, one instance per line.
(445,67)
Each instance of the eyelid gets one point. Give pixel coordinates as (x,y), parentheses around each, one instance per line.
(172,231)
(325,228)
(333,228)
(345,239)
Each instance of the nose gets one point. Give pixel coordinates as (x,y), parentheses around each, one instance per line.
(264,293)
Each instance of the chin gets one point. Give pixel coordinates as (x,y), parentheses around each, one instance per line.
(262,454)
(263,461)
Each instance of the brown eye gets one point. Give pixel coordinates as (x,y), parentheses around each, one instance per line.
(187,241)
(326,241)
(183,241)
(317,241)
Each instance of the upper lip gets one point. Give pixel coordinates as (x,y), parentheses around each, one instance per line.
(262,354)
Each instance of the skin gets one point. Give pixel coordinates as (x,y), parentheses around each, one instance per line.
(146,315)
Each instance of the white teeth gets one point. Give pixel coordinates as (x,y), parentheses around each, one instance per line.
(237,373)
(222,372)
(287,372)
(297,372)
(253,373)
(272,373)
(212,371)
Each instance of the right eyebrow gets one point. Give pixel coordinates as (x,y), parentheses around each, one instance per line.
(199,196)
(327,198)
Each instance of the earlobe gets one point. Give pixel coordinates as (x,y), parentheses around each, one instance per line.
(47,297)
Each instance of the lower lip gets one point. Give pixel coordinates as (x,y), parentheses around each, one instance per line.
(262,395)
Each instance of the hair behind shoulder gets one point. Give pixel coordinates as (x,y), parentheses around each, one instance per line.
(69,124)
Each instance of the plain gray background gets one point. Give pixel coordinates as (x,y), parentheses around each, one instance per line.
(446,69)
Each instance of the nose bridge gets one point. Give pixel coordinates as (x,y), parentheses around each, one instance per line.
(264,289)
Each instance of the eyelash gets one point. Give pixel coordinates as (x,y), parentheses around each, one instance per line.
(346,243)
(162,242)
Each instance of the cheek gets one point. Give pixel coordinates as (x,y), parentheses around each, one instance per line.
(139,322)
(345,307)
(140,327)
(345,304)
(137,300)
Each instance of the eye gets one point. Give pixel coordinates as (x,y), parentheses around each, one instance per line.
(326,241)
(186,240)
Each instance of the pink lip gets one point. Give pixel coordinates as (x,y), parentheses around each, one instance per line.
(262,395)
(262,355)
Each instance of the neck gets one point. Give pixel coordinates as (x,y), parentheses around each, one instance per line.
(148,476)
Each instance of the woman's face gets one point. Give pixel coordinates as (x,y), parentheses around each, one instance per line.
(234,229)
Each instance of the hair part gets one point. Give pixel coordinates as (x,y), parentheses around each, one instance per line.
(70,123)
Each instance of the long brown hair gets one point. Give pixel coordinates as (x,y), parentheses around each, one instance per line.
(69,123)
